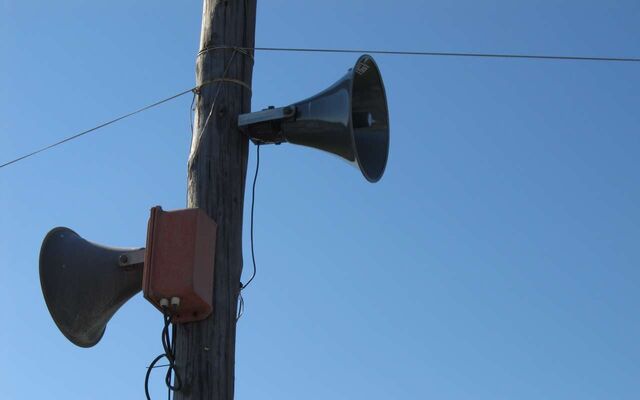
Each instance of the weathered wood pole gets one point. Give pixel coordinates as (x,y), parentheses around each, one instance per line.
(205,350)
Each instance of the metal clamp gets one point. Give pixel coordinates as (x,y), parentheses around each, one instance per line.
(132,258)
(265,126)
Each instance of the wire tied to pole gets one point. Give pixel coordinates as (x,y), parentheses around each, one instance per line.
(241,50)
(213,104)
(198,88)
(240,304)
(224,78)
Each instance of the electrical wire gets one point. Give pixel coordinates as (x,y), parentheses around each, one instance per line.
(253,202)
(253,253)
(426,53)
(168,344)
(159,366)
(244,50)
(447,54)
(95,128)
(215,97)
(194,90)
(240,311)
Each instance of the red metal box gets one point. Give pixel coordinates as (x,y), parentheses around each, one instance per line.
(179,262)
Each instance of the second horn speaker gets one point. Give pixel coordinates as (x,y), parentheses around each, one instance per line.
(349,119)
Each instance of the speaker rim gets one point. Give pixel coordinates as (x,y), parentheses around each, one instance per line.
(386,107)
(72,339)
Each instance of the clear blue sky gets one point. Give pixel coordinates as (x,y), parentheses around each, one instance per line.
(498,258)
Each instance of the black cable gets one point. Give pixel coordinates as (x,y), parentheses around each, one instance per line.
(170,352)
(168,344)
(253,253)
(146,378)
(253,202)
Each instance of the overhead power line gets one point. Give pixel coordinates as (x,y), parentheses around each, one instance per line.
(324,50)
(95,128)
(448,54)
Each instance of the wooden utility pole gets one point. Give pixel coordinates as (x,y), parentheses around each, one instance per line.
(205,350)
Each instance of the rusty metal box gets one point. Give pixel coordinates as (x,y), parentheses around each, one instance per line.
(179,262)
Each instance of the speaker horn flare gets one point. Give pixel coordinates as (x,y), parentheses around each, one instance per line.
(84,283)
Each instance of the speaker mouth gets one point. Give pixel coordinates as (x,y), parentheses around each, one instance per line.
(83,284)
(369,119)
(79,340)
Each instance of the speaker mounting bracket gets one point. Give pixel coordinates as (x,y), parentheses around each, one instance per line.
(132,258)
(265,126)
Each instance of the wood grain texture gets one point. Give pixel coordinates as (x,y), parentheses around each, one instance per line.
(205,350)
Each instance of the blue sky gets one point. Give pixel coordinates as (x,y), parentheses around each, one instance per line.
(496,259)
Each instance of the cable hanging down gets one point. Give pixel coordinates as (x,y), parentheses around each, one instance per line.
(253,254)
(253,202)
(168,344)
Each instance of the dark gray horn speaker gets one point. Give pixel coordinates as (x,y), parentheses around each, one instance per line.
(349,119)
(84,283)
